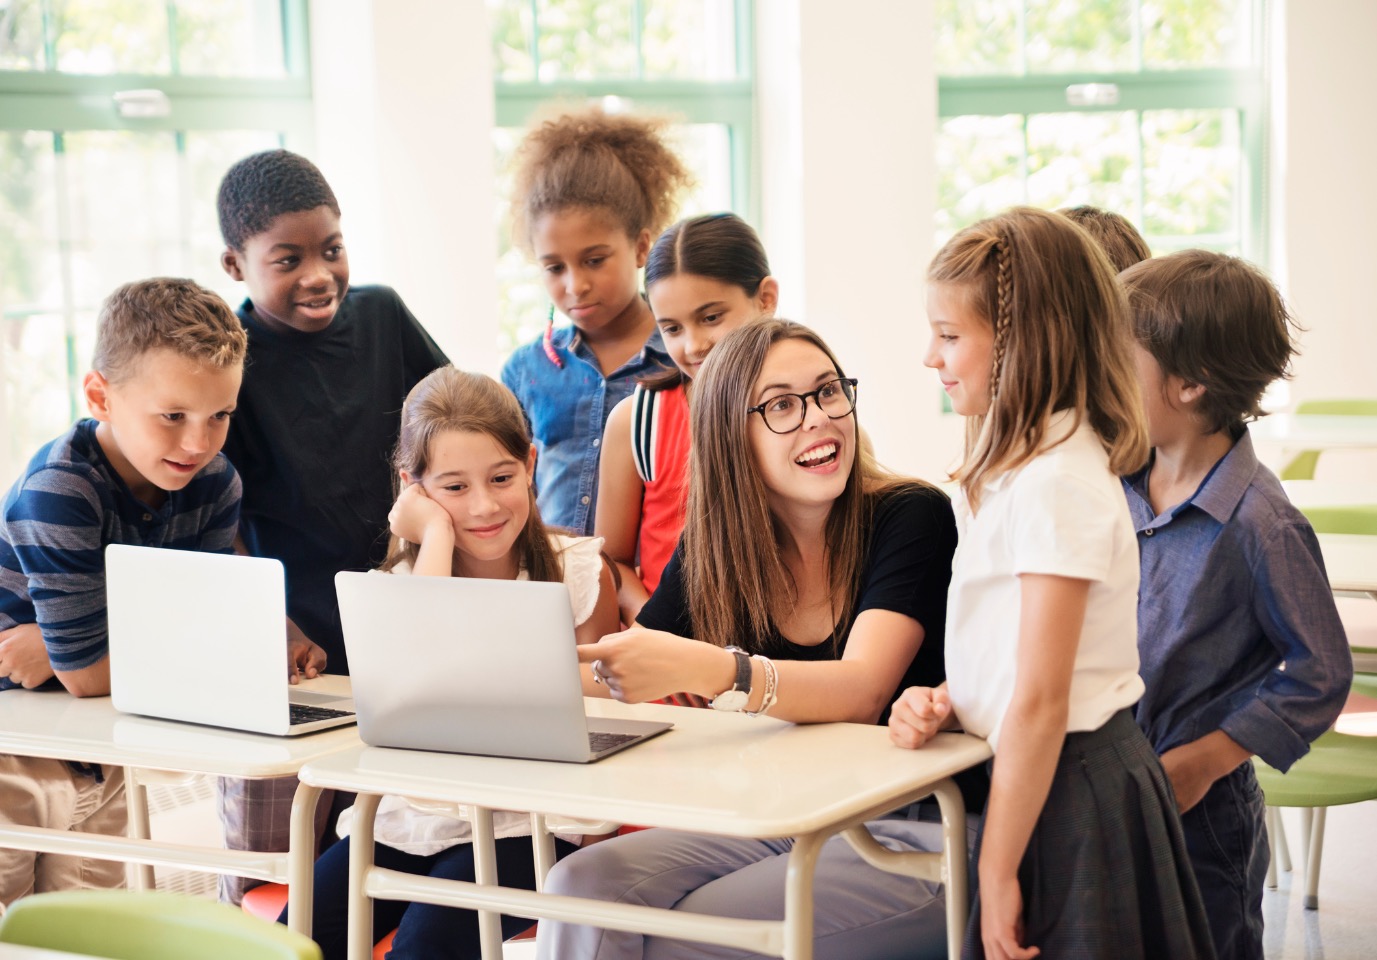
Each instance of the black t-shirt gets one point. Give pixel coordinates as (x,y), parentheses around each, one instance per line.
(907,570)
(312,438)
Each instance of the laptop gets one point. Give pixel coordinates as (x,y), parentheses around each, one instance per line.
(202,638)
(463,665)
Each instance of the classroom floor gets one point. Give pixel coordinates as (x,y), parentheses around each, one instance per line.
(1344,928)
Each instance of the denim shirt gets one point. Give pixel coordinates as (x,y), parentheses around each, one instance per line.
(1237,629)
(568,408)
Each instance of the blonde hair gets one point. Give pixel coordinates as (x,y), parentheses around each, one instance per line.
(165,313)
(1062,341)
(449,399)
(733,571)
(619,164)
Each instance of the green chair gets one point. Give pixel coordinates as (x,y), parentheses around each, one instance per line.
(1338,769)
(1302,465)
(129,925)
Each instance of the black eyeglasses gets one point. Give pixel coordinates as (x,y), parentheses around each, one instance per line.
(785,412)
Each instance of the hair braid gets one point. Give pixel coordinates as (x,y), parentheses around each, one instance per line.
(1004,311)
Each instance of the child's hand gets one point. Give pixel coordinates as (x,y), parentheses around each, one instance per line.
(1001,921)
(414,514)
(917,716)
(304,657)
(24,657)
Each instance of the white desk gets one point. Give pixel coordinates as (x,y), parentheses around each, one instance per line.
(1351,562)
(714,773)
(1315,432)
(1330,493)
(57,725)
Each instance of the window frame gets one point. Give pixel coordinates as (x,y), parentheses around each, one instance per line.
(48,101)
(1245,89)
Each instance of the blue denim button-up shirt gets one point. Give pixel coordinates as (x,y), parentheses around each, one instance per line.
(568,408)
(1237,629)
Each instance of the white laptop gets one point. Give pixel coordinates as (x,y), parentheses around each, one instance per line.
(202,637)
(463,665)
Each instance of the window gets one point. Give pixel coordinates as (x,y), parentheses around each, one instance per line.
(1152,108)
(687,58)
(117,120)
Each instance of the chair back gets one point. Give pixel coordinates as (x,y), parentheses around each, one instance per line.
(129,925)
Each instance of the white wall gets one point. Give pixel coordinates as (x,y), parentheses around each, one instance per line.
(404,117)
(847,122)
(1325,191)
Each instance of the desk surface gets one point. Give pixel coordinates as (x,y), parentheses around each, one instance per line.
(714,772)
(1315,431)
(1330,493)
(52,723)
(1351,561)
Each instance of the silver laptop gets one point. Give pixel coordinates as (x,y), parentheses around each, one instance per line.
(462,665)
(202,637)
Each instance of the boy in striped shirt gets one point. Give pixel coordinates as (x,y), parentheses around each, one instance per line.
(144,469)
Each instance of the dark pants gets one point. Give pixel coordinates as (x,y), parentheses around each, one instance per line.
(423,930)
(1226,835)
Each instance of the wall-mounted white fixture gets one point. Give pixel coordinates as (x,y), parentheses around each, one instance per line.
(1092,94)
(142,104)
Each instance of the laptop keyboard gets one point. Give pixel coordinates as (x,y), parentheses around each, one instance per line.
(599,742)
(301,713)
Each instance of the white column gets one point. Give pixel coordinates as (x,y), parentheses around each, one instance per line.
(404,116)
(847,122)
(1325,210)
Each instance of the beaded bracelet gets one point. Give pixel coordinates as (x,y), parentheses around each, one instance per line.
(771,687)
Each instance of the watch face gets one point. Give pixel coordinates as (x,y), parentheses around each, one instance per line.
(733,701)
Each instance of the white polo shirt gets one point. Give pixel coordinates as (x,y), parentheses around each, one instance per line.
(1063,513)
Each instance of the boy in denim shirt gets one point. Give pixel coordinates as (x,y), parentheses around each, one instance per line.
(144,469)
(1241,646)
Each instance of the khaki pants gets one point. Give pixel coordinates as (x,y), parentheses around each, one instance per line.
(48,793)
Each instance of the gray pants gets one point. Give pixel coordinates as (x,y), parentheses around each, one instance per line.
(860,913)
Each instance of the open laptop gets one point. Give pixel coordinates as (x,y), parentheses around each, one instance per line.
(462,665)
(202,637)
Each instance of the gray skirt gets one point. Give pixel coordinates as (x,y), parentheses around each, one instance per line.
(1106,873)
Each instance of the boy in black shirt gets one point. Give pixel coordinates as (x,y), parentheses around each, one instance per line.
(327,372)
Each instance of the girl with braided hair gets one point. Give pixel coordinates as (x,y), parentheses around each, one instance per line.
(1081,852)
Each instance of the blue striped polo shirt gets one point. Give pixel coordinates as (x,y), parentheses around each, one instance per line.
(57,520)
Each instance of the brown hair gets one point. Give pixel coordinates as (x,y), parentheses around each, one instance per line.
(1217,321)
(449,399)
(719,246)
(1061,341)
(165,313)
(1117,237)
(734,578)
(619,164)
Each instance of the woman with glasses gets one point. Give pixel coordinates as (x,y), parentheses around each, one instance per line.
(809,585)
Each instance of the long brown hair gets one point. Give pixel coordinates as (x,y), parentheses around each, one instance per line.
(450,399)
(734,575)
(1062,341)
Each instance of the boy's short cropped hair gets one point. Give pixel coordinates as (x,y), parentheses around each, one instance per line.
(165,312)
(1117,237)
(1214,320)
(260,188)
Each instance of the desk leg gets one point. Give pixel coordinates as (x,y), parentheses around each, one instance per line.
(360,862)
(139,827)
(485,873)
(301,859)
(542,848)
(955,858)
(798,896)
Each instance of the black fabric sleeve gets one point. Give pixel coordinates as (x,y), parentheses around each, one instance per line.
(909,567)
(667,608)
